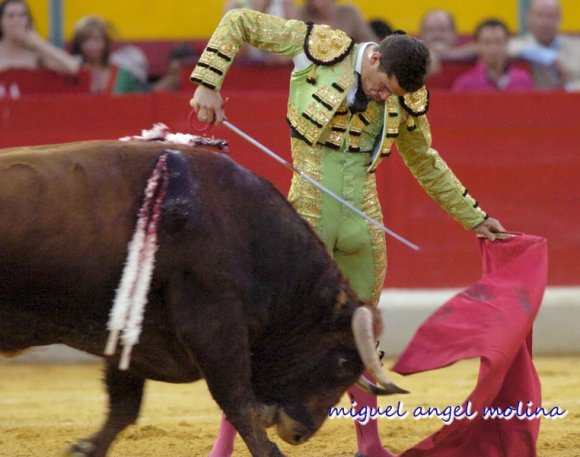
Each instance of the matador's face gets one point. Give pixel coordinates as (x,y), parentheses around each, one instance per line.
(377,85)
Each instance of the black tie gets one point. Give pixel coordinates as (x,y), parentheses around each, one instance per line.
(360,99)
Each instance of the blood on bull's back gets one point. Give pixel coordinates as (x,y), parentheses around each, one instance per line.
(67,214)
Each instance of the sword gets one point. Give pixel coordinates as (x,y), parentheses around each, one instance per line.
(316,184)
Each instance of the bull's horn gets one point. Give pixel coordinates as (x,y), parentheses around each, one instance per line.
(365,384)
(362,329)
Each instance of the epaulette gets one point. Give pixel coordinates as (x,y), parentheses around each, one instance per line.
(326,46)
(416,103)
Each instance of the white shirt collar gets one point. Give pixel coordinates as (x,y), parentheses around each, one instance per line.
(358,69)
(359,56)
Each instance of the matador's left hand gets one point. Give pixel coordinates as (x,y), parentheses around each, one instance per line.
(491,229)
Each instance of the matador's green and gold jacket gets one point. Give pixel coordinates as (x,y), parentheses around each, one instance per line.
(317,108)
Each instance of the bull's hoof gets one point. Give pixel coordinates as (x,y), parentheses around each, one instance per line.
(82,448)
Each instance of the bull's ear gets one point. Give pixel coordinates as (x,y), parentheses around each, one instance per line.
(340,300)
(344,304)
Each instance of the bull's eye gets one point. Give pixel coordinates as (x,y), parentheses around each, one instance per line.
(346,363)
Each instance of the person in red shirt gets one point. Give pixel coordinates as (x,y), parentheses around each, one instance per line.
(493,71)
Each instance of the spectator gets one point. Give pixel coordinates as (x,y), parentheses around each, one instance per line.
(281,8)
(344,17)
(181,56)
(381,28)
(438,31)
(493,71)
(125,71)
(554,58)
(21,47)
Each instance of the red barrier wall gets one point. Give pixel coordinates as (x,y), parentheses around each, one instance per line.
(517,153)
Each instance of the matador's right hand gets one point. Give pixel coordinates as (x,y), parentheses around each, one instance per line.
(208,104)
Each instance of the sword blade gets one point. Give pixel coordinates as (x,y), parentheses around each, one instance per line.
(316,184)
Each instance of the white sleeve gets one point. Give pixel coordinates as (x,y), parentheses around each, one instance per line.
(301,62)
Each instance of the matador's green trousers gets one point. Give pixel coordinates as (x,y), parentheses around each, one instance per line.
(358,247)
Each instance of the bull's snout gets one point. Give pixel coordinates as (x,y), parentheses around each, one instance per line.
(291,431)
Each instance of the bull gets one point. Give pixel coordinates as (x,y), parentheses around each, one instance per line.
(243,293)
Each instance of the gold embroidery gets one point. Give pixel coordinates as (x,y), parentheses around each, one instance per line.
(336,138)
(345,81)
(329,96)
(239,26)
(339,122)
(224,46)
(386,147)
(338,125)
(355,128)
(354,133)
(435,176)
(472,201)
(327,46)
(311,78)
(304,197)
(372,207)
(304,127)
(392,127)
(365,127)
(392,118)
(354,143)
(215,61)
(318,114)
(206,77)
(373,112)
(416,103)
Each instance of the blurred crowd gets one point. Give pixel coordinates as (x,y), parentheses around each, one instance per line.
(107,67)
(542,58)
(494,58)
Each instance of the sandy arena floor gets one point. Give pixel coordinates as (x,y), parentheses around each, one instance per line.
(44,407)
